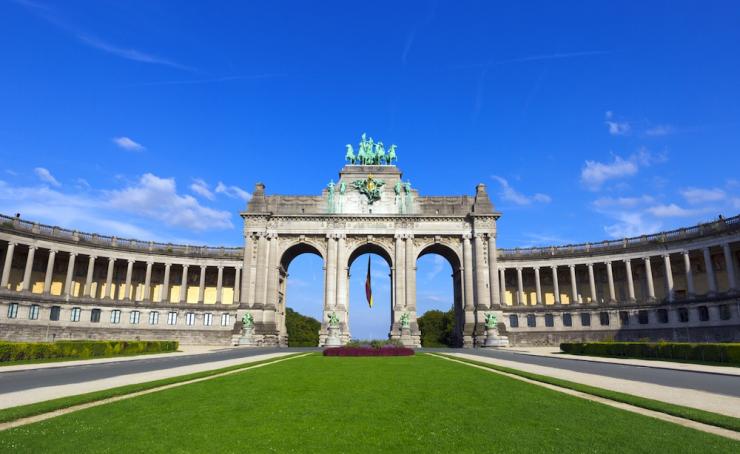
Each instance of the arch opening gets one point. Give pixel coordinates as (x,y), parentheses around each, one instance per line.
(439,300)
(370,322)
(301,295)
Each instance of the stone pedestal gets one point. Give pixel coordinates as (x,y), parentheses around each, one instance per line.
(247,337)
(494,340)
(406,339)
(332,339)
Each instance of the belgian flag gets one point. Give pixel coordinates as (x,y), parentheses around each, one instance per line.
(368,287)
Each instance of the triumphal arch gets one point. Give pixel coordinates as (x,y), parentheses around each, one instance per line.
(370,209)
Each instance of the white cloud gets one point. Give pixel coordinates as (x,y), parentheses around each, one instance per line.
(128,144)
(671,210)
(46,176)
(622,202)
(632,224)
(157,198)
(660,130)
(510,194)
(696,196)
(234,192)
(595,173)
(616,128)
(201,188)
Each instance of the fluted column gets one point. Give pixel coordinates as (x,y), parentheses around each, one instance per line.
(649,277)
(669,277)
(555,284)
(148,281)
(592,282)
(70,274)
(689,274)
(164,292)
(711,279)
(6,267)
(184,285)
(49,271)
(573,284)
(202,284)
(273,273)
(730,265)
(109,278)
(342,271)
(481,275)
(495,295)
(29,269)
(89,277)
(260,284)
(630,280)
(400,272)
(244,284)
(410,274)
(129,272)
(219,284)
(519,287)
(468,273)
(330,288)
(502,285)
(610,277)
(537,286)
(237,284)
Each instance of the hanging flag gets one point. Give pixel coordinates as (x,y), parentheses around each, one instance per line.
(368,287)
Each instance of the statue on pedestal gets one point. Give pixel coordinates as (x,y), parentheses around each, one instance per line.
(492,336)
(332,339)
(247,330)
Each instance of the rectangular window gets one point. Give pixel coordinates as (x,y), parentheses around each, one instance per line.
(95,316)
(724,311)
(134,317)
(585,319)
(75,314)
(13,310)
(207,319)
(33,312)
(567,319)
(190,319)
(549,320)
(54,314)
(531,320)
(703,313)
(662,316)
(683,314)
(172,318)
(624,318)
(153,318)
(115,316)
(514,321)
(225,319)
(642,317)
(604,318)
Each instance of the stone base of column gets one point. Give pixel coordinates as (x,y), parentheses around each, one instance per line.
(493,340)
(333,337)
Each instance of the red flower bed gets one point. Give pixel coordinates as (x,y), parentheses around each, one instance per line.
(368,351)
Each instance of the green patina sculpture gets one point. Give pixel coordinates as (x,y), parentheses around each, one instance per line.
(333,320)
(405,321)
(397,188)
(248,320)
(391,155)
(370,187)
(350,156)
(370,153)
(490,320)
(342,188)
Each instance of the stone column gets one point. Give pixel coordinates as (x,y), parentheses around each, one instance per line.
(184,285)
(49,271)
(502,285)
(630,281)
(730,265)
(537,286)
(689,275)
(202,284)
(669,277)
(410,274)
(493,271)
(109,277)
(610,277)
(129,271)
(220,284)
(273,273)
(555,284)
(148,282)
(237,284)
(592,282)
(649,277)
(26,285)
(481,275)
(164,292)
(519,287)
(70,274)
(245,282)
(573,284)
(260,283)
(468,273)
(711,279)
(330,288)
(89,277)
(400,274)
(8,264)
(342,271)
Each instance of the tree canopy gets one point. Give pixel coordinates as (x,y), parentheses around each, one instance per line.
(303,331)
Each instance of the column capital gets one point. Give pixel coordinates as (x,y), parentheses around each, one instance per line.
(32,246)
(572,266)
(130,261)
(93,257)
(239,266)
(167,264)
(111,259)
(536,268)
(220,267)
(53,251)
(590,265)
(149,262)
(466,236)
(685,252)
(667,255)
(554,267)
(627,260)
(646,259)
(73,254)
(185,265)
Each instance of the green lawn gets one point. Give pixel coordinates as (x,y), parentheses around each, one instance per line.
(317,404)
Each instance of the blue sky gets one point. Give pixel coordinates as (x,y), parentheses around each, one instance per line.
(587,120)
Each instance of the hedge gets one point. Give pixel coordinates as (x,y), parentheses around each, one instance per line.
(681,351)
(369,351)
(19,351)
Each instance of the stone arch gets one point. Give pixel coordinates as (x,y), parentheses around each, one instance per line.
(445,250)
(297,247)
(371,247)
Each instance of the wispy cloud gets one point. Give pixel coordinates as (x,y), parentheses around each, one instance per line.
(201,188)
(594,173)
(660,130)
(616,128)
(46,176)
(128,144)
(509,194)
(234,192)
(695,196)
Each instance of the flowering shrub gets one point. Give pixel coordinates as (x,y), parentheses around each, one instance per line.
(369,351)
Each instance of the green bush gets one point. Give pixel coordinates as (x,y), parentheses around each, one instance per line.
(303,331)
(437,328)
(19,351)
(682,351)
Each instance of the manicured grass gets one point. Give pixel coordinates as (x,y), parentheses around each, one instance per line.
(24,411)
(706,417)
(326,404)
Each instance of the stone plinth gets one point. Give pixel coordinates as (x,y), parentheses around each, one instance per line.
(494,340)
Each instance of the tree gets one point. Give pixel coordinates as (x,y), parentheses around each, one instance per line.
(303,331)
(437,328)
